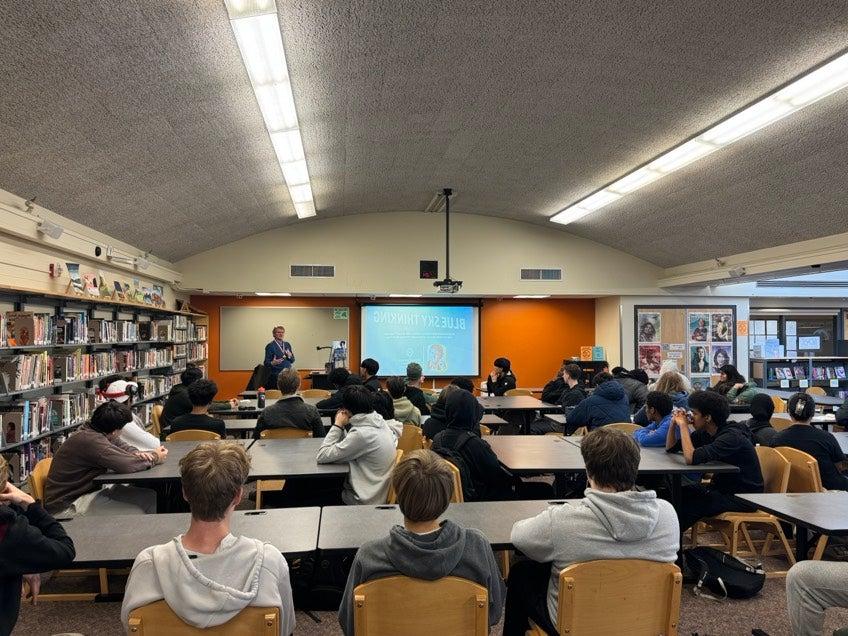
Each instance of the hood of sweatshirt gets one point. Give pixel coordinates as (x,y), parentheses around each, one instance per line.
(610,390)
(364,420)
(426,556)
(211,588)
(628,515)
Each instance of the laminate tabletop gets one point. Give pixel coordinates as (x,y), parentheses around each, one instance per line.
(825,512)
(822,400)
(513,403)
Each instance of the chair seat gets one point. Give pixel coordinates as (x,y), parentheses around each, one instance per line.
(747,517)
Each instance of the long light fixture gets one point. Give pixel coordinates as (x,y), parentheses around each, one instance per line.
(805,90)
(257,32)
(405,295)
(272,293)
(532,296)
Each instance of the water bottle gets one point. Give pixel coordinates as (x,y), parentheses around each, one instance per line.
(260,398)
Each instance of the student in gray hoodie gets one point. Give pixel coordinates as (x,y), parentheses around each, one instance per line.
(362,438)
(612,522)
(424,548)
(207,575)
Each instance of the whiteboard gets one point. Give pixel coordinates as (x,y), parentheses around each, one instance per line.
(246,330)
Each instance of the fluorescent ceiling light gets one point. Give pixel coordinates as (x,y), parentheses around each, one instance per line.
(254,23)
(813,86)
(405,295)
(533,296)
(273,294)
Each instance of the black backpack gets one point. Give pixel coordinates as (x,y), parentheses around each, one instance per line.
(721,573)
(454,456)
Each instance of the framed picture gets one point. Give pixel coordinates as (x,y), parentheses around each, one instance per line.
(699,327)
(650,327)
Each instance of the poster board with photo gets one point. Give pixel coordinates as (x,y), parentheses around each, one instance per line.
(700,339)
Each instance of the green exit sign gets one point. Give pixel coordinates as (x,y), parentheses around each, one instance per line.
(341,313)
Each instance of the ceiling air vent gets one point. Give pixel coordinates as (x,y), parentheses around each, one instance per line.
(534,273)
(312,271)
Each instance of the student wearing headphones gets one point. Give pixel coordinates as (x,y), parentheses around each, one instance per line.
(803,436)
(115,388)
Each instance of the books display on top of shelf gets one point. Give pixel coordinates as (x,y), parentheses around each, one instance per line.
(146,296)
(75,285)
(103,287)
(158,296)
(92,287)
(119,290)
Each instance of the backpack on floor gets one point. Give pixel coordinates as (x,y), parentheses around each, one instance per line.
(722,574)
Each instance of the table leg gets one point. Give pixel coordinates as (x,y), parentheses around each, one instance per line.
(676,491)
(802,543)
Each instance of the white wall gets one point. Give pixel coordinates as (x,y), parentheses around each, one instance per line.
(608,327)
(379,254)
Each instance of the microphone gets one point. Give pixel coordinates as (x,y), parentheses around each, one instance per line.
(319,348)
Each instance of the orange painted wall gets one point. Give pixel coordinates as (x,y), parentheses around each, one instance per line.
(534,334)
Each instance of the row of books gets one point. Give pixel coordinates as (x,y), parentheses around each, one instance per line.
(76,365)
(27,419)
(198,351)
(154,385)
(197,332)
(113,331)
(799,372)
(25,328)
(181,322)
(21,462)
(25,371)
(134,360)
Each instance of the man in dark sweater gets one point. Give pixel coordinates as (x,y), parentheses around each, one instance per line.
(200,393)
(714,439)
(570,395)
(368,369)
(414,378)
(31,541)
(762,408)
(290,411)
(179,403)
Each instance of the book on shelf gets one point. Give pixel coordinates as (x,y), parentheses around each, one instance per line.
(25,371)
(787,373)
(800,373)
(778,373)
(819,373)
(162,330)
(71,328)
(840,373)
(25,328)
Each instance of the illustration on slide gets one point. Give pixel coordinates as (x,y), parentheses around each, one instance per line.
(436,358)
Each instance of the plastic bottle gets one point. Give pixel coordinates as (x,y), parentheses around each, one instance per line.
(260,398)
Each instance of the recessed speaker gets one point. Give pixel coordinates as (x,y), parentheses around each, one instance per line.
(429,269)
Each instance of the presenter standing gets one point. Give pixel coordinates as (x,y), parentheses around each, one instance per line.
(278,356)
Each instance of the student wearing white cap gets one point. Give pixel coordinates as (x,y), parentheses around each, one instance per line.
(117,389)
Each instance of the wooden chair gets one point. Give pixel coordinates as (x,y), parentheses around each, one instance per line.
(38,477)
(401,605)
(624,427)
(269,485)
(158,619)
(457,496)
(192,435)
(156,418)
(273,394)
(515,392)
(391,496)
(644,597)
(779,404)
(804,476)
(485,430)
(411,439)
(429,391)
(815,390)
(315,393)
(775,469)
(583,430)
(780,423)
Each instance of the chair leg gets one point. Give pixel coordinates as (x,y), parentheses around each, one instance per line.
(820,546)
(790,555)
(104,580)
(734,539)
(748,540)
(503,562)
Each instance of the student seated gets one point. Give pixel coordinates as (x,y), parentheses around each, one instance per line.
(762,408)
(670,383)
(201,393)
(290,411)
(463,383)
(501,379)
(612,522)
(570,396)
(117,389)
(423,548)
(461,439)
(93,449)
(339,378)
(178,402)
(841,414)
(207,575)
(368,369)
(658,411)
(714,439)
(552,391)
(31,541)
(822,445)
(811,588)
(671,365)
(362,438)
(607,404)
(438,420)
(414,380)
(734,386)
(635,384)
(405,410)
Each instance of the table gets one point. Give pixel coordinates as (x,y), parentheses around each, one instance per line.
(293,531)
(252,410)
(346,528)
(825,512)
(244,428)
(842,438)
(514,403)
(821,400)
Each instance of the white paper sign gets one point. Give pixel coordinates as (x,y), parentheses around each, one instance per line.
(803,383)
(784,384)
(834,383)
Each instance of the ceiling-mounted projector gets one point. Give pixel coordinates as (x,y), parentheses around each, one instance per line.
(448,285)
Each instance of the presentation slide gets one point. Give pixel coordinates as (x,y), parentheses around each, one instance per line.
(443,339)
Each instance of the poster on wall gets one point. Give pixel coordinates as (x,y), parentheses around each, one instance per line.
(722,354)
(650,327)
(699,327)
(700,383)
(722,327)
(650,359)
(699,361)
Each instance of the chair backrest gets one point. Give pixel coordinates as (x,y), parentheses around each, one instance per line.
(624,427)
(315,393)
(583,430)
(485,430)
(645,595)
(273,394)
(401,605)
(391,496)
(804,473)
(38,476)
(157,619)
(411,439)
(779,404)
(156,418)
(780,423)
(192,435)
(457,496)
(815,390)
(429,391)
(514,392)
(776,469)
(284,432)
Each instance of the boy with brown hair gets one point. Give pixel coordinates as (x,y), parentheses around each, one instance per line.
(424,548)
(208,575)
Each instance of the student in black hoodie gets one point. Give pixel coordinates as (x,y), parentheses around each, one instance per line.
(368,371)
(339,378)
(438,420)
(501,379)
(570,396)
(762,408)
(31,541)
(552,391)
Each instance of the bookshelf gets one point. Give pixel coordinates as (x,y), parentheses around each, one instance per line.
(54,348)
(827,372)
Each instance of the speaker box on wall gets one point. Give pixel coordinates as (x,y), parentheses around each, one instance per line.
(429,269)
